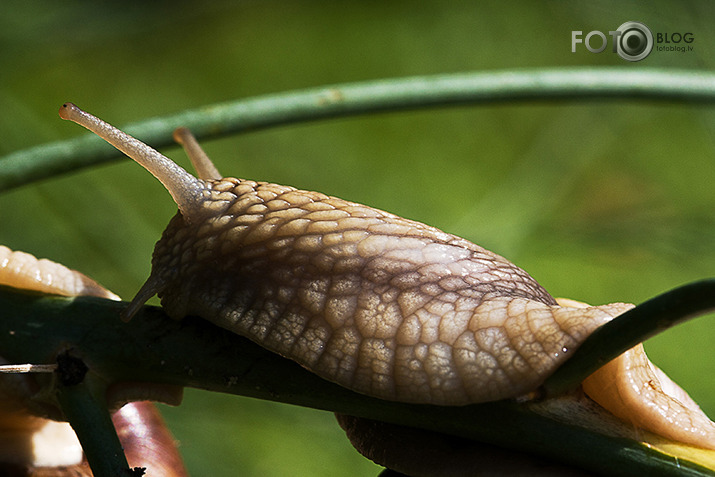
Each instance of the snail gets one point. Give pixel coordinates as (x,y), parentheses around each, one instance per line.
(22,270)
(383,305)
(31,444)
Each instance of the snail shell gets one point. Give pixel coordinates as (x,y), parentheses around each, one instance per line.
(26,439)
(32,445)
(22,270)
(377,303)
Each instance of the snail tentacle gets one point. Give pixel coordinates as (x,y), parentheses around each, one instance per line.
(205,168)
(150,288)
(187,191)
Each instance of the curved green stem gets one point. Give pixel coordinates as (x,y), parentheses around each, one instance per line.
(343,100)
(632,327)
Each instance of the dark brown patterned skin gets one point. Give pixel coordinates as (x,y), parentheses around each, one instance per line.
(384,305)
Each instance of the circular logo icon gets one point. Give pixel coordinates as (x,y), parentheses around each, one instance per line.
(635,41)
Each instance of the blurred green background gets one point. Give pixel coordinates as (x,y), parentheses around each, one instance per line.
(600,201)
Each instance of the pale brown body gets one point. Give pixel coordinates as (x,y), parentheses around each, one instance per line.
(380,304)
(377,303)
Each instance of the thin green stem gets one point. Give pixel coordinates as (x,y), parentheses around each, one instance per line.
(632,327)
(344,100)
(87,413)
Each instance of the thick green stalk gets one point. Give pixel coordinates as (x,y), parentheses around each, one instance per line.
(195,353)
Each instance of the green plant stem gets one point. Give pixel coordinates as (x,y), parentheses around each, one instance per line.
(87,412)
(153,348)
(632,327)
(343,100)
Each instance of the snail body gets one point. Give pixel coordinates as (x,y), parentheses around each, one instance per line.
(383,305)
(377,303)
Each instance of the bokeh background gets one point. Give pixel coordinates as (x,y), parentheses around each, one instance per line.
(600,201)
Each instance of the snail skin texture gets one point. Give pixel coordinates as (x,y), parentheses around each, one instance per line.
(385,306)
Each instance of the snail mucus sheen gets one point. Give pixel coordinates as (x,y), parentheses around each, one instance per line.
(385,306)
